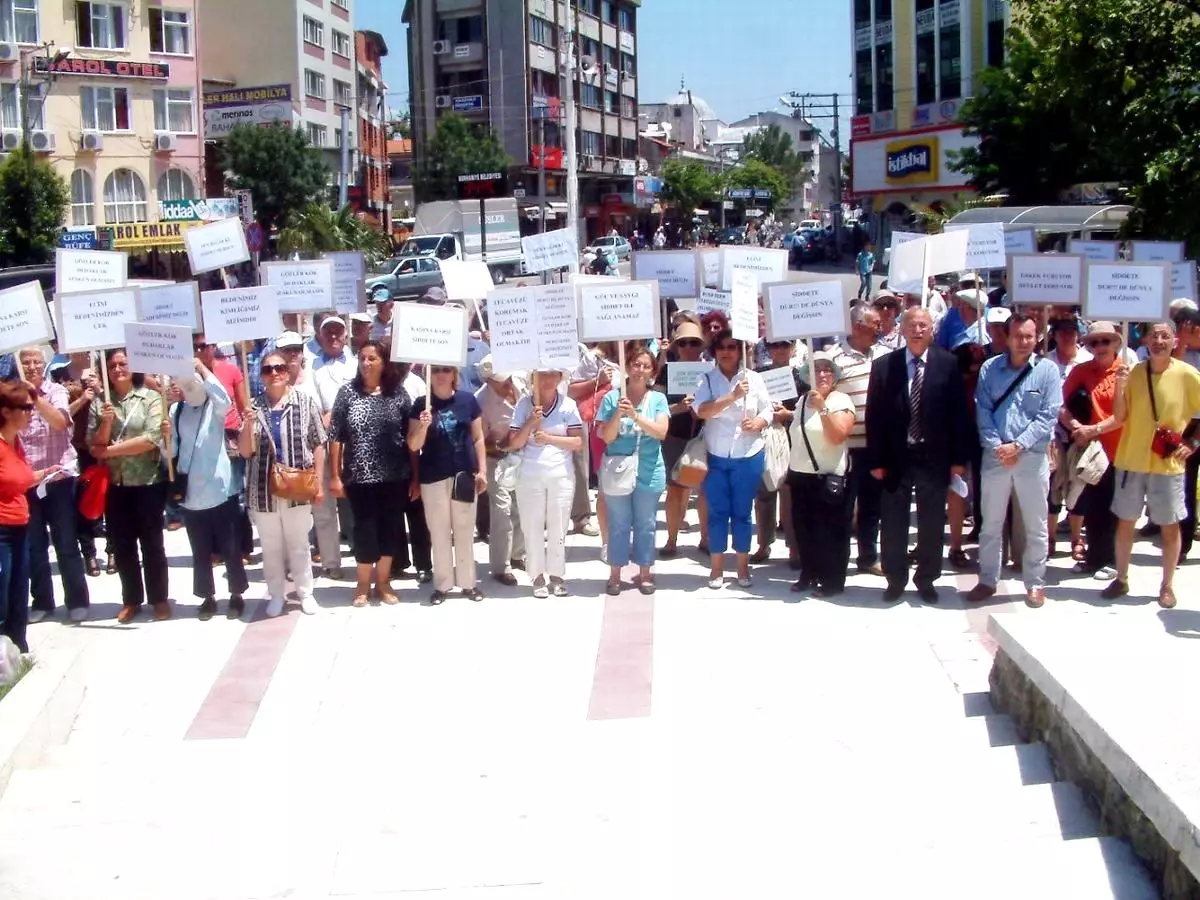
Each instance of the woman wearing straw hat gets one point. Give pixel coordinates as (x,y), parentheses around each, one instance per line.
(686,346)
(821,505)
(546,430)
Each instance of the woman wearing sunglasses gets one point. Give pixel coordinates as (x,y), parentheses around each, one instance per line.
(447,435)
(687,347)
(735,406)
(283,427)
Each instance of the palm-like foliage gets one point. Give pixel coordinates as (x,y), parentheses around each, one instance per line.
(317,229)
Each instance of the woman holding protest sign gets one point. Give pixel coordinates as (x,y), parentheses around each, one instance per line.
(735,407)
(126,435)
(687,346)
(633,425)
(546,431)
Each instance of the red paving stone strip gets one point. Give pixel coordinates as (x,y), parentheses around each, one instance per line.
(234,698)
(624,659)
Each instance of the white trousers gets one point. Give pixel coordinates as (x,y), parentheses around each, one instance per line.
(284,538)
(451,535)
(325,515)
(544,502)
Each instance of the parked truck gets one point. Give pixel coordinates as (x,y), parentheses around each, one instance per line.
(449,229)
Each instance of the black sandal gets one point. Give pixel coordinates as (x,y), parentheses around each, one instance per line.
(111,568)
(93,567)
(437,598)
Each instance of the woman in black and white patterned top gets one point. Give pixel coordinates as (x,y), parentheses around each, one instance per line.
(286,427)
(371,465)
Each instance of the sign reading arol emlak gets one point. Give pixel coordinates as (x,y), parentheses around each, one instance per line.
(242,314)
(159,349)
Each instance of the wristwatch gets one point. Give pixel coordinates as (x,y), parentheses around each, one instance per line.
(824,413)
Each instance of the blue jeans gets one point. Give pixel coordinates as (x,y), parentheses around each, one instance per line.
(53,518)
(632,520)
(14,584)
(730,487)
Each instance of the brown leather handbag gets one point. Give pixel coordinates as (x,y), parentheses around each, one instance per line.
(287,482)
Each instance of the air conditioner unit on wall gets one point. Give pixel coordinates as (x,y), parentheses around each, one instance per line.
(9,52)
(11,140)
(442,101)
(42,141)
(165,143)
(440,47)
(91,140)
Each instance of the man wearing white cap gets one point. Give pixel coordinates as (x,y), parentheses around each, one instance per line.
(360,331)
(962,319)
(498,400)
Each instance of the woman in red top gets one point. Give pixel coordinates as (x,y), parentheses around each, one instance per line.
(16,477)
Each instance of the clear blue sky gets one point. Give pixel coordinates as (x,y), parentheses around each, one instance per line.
(738,56)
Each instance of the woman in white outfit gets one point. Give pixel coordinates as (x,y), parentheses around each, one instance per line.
(546,430)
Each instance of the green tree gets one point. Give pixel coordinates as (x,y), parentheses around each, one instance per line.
(1094,91)
(688,186)
(754,173)
(457,147)
(282,171)
(317,229)
(773,146)
(33,202)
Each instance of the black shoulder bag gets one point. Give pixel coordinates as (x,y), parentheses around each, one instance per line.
(833,487)
(177,489)
(1016,383)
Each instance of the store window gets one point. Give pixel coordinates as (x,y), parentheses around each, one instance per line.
(864,83)
(884,79)
(100,26)
(105,109)
(173,111)
(949,50)
(83,199)
(19,21)
(175,184)
(124,198)
(170,31)
(926,59)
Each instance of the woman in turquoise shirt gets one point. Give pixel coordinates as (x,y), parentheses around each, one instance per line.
(634,424)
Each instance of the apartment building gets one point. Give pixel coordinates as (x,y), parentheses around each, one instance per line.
(288,60)
(370,196)
(915,62)
(477,58)
(112,102)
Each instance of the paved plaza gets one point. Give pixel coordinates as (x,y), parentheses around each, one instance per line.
(698,743)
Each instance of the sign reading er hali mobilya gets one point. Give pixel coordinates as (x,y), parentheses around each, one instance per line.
(61,64)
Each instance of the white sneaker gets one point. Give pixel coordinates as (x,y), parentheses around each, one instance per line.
(1108,573)
(36,615)
(79,614)
(274,607)
(308,606)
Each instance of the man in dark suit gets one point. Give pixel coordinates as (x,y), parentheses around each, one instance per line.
(917,421)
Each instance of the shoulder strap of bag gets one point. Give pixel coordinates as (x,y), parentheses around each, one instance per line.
(1153,400)
(1016,383)
(196,441)
(804,434)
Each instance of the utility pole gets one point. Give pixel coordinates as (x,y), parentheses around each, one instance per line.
(24,91)
(827,108)
(344,188)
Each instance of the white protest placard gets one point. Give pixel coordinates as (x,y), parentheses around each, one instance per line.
(743,309)
(147,282)
(687,304)
(24,317)
(434,335)
(240,314)
(159,349)
(89,270)
(685,377)
(1127,291)
(301,285)
(532,326)
(985,245)
(349,272)
(585,278)
(1020,240)
(763,264)
(1183,280)
(620,311)
(799,309)
(711,299)
(466,279)
(94,320)
(894,279)
(1158,251)
(215,246)
(1095,251)
(1039,278)
(552,250)
(710,265)
(171,304)
(678,272)
(909,263)
(780,383)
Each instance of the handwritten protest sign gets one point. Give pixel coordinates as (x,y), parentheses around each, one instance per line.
(24,317)
(349,271)
(533,326)
(240,314)
(1095,251)
(159,349)
(171,304)
(1183,279)
(552,250)
(95,320)
(212,247)
(712,299)
(678,272)
(304,285)
(89,270)
(1040,278)
(797,309)
(985,245)
(780,383)
(685,377)
(763,264)
(1127,292)
(906,282)
(743,315)
(911,262)
(1020,240)
(435,335)
(710,265)
(618,311)
(466,279)
(1158,251)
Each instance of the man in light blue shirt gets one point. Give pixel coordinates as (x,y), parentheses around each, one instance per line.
(1017,400)
(210,502)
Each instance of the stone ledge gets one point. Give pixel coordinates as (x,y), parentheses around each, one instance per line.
(1109,702)
(39,712)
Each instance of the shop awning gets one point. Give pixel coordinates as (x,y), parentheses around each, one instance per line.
(162,236)
(1047,218)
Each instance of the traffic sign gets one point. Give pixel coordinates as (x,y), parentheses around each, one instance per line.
(254,237)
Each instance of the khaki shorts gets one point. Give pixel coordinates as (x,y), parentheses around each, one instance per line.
(1160,495)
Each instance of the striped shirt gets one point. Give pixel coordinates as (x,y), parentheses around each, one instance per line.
(856,373)
(301,431)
